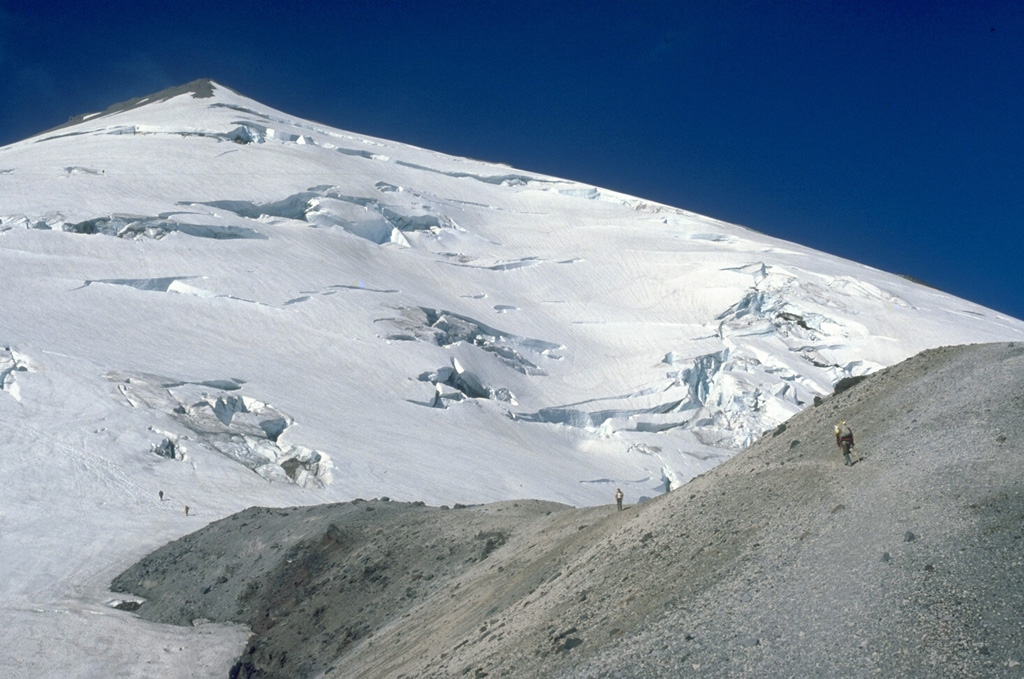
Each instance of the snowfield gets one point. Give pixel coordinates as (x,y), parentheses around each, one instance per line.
(215,300)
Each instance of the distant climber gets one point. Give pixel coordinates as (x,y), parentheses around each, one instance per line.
(186,510)
(161,496)
(844,441)
(618,498)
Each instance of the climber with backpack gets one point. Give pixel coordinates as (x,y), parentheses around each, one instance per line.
(844,441)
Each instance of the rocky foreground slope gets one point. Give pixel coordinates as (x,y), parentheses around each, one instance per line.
(780,562)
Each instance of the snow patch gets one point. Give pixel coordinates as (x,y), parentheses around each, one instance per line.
(589,193)
(864,290)
(594,193)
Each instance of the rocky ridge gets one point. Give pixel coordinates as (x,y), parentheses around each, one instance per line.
(779,562)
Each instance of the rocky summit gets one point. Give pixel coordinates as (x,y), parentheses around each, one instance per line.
(781,562)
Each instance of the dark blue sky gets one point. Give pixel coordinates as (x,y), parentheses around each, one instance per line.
(889,132)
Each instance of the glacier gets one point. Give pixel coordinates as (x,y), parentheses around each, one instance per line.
(214,300)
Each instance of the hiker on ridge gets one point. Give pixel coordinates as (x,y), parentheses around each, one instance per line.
(618,498)
(844,441)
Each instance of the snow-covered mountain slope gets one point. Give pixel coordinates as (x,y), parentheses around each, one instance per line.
(210,298)
(414,324)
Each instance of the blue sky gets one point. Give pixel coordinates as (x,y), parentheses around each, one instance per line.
(891,133)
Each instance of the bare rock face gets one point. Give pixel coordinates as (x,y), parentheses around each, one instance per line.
(780,562)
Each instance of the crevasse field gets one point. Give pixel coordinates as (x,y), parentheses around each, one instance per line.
(212,299)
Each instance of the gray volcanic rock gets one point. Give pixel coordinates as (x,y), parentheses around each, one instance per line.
(312,581)
(780,562)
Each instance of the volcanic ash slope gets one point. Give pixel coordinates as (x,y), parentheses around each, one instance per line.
(780,562)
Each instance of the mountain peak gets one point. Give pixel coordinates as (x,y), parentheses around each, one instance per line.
(201,88)
(212,304)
